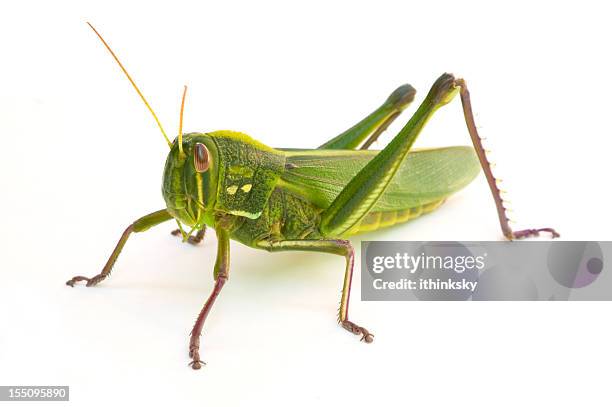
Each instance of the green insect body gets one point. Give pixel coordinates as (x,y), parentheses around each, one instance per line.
(312,200)
(272,194)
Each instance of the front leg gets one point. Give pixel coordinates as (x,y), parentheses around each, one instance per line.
(334,246)
(194,240)
(221,275)
(142,224)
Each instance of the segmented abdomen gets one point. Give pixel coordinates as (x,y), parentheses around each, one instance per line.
(379,220)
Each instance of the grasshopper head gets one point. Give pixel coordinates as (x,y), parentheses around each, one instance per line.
(190,179)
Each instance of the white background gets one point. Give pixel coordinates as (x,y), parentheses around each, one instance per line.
(81,159)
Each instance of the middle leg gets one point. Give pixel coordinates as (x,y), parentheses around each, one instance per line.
(339,247)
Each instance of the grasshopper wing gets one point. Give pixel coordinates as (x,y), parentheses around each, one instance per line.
(426,177)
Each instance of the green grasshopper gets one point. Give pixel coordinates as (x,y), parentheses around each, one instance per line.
(311,199)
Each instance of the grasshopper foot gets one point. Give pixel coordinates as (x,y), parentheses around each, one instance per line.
(194,353)
(194,240)
(366,336)
(521,234)
(90,281)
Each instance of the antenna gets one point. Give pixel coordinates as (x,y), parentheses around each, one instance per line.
(134,85)
(180,134)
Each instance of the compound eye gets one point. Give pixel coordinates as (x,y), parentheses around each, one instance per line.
(201,157)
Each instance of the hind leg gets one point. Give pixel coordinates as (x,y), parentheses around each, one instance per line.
(374,124)
(486,168)
(360,195)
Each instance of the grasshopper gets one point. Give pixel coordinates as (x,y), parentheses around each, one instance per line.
(311,199)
